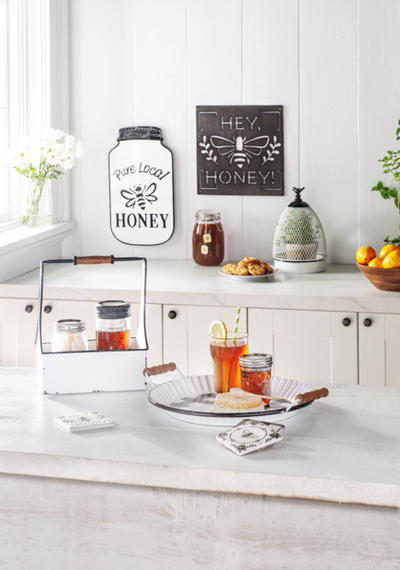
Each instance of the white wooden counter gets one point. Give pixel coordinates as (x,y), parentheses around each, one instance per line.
(340,288)
(158,493)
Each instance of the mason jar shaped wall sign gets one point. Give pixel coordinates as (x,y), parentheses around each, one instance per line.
(141,187)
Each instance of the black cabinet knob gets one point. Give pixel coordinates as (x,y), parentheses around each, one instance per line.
(346,322)
(29,308)
(172,314)
(47,309)
(367,322)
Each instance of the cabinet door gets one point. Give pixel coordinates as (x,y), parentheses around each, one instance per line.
(186,335)
(392,349)
(17,332)
(309,346)
(18,321)
(371,352)
(154,334)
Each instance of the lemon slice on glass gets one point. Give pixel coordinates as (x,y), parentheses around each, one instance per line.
(218,330)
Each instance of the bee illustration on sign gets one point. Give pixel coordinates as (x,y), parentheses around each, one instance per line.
(238,149)
(139,196)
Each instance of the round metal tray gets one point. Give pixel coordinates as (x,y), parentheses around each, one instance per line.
(191,400)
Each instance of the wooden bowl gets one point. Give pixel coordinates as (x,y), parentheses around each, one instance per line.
(381,278)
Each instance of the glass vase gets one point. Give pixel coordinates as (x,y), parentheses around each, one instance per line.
(36,203)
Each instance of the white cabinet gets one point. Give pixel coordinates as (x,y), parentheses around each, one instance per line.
(18,329)
(379,347)
(18,319)
(186,335)
(309,346)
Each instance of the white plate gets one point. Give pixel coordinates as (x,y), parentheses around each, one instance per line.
(191,400)
(250,277)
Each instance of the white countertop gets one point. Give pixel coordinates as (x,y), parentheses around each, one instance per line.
(345,448)
(339,288)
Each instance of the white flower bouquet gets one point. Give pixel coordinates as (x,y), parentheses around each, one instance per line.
(39,159)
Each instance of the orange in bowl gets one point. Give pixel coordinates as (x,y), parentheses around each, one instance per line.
(392,259)
(388,249)
(376,262)
(365,254)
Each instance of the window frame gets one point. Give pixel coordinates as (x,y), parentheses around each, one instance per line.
(38,85)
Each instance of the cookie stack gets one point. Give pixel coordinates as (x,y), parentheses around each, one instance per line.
(248,266)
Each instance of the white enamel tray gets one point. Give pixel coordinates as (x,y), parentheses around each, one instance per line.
(191,400)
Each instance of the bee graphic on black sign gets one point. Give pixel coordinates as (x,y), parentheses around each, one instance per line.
(238,149)
(139,196)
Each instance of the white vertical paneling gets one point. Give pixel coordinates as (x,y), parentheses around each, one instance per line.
(379,113)
(214,77)
(332,64)
(101,82)
(159,98)
(328,119)
(270,77)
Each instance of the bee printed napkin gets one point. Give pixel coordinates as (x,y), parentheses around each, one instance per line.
(250,435)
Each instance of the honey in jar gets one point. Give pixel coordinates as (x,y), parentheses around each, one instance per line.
(113,325)
(256,374)
(208,238)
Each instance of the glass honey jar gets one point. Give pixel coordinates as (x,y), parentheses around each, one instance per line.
(113,325)
(208,238)
(256,374)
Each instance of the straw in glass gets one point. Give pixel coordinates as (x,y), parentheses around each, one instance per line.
(236,322)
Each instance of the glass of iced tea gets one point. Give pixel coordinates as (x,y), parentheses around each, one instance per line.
(225,354)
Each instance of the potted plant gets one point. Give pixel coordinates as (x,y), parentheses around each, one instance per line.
(391,165)
(300,235)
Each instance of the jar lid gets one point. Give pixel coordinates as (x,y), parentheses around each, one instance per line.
(255,361)
(69,325)
(133,133)
(211,216)
(113,310)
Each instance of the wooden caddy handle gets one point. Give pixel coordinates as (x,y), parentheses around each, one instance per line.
(161,369)
(310,396)
(93,260)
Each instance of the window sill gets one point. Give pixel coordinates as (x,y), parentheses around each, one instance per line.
(22,249)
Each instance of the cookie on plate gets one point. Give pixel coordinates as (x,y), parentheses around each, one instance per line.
(229,267)
(255,269)
(267,267)
(248,260)
(240,270)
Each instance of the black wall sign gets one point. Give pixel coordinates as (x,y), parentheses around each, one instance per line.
(240,150)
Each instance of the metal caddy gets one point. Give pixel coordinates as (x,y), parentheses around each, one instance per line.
(93,370)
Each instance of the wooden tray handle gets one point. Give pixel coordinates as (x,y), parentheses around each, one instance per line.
(310,396)
(161,369)
(93,260)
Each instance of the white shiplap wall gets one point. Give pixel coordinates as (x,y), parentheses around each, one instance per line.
(332,64)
